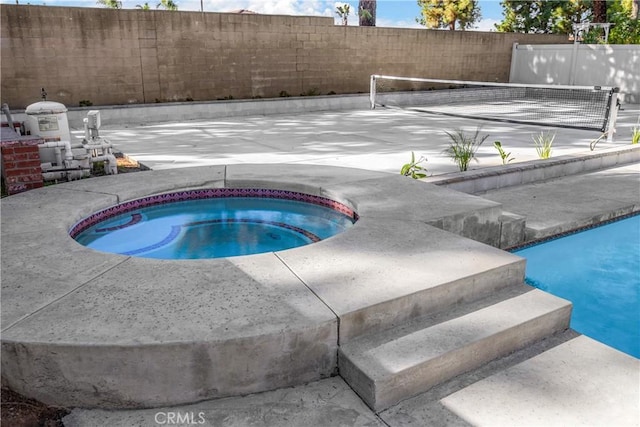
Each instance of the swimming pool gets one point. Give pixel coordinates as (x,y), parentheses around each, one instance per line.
(213,223)
(598,270)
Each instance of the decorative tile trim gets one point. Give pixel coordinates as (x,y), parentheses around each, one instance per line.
(570,232)
(209,193)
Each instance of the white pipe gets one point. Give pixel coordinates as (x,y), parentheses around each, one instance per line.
(68,175)
(68,155)
(103,158)
(7,112)
(102,145)
(59,161)
(111,166)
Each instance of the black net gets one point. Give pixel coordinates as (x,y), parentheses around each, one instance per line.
(581,108)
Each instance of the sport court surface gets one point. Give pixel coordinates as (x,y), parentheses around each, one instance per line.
(378,140)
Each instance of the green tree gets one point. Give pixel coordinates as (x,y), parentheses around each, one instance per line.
(111,4)
(144,6)
(626,27)
(559,16)
(343,13)
(448,13)
(543,16)
(367,13)
(167,5)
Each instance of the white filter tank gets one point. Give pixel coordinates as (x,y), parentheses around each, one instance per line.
(48,120)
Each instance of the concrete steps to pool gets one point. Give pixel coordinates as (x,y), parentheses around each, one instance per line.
(390,366)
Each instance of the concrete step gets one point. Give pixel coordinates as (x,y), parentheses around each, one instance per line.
(391,366)
(581,382)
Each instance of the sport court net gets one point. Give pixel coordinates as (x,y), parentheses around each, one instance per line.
(580,107)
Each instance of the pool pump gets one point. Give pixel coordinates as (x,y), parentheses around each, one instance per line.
(98,147)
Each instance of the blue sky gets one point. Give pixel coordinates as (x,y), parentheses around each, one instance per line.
(390,13)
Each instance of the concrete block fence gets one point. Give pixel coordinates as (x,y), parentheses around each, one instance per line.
(118,57)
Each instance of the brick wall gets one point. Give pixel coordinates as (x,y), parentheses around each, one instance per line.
(111,56)
(21,164)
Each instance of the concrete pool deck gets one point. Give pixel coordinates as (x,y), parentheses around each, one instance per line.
(577,381)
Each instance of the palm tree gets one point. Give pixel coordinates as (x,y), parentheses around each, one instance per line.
(167,4)
(111,4)
(599,11)
(145,6)
(367,13)
(343,12)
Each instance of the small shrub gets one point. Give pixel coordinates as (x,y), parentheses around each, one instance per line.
(311,92)
(413,168)
(635,135)
(543,143)
(284,94)
(462,148)
(85,103)
(506,157)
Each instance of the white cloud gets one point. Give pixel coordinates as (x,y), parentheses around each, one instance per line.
(269,7)
(381,22)
(486,25)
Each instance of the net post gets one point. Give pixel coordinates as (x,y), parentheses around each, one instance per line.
(613,114)
(372,91)
(514,59)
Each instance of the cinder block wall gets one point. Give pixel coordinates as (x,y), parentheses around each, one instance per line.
(111,57)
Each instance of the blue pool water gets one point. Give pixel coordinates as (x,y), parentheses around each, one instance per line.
(213,228)
(598,270)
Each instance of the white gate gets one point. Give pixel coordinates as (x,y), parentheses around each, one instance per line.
(579,64)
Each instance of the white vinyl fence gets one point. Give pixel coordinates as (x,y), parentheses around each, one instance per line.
(581,65)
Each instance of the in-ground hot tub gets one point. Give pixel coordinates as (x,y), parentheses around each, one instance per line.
(82,327)
(213,223)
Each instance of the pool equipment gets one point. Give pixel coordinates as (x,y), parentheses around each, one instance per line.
(60,158)
(97,146)
(48,120)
